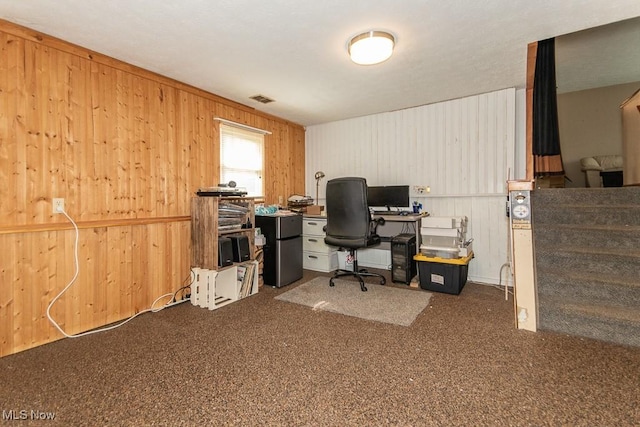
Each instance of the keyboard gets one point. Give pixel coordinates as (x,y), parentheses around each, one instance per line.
(393,213)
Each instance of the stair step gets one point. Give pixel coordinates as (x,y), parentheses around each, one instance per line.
(579,287)
(628,215)
(586,196)
(604,236)
(619,264)
(612,324)
(587,256)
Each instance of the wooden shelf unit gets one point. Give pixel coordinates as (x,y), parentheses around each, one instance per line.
(205,226)
(216,286)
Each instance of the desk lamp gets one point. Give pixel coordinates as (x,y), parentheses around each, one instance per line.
(319,176)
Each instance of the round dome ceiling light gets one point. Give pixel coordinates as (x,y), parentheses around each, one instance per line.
(372,47)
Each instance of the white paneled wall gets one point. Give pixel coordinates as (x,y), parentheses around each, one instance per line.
(489,228)
(462,149)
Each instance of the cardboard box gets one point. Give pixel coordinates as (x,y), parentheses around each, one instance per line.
(551,181)
(315,210)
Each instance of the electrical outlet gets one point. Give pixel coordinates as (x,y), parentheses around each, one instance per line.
(58,205)
(421,189)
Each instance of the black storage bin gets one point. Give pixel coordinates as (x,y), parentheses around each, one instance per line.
(443,275)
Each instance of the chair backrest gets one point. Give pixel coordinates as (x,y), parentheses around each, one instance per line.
(348,213)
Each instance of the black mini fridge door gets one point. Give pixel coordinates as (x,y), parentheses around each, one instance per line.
(277,227)
(288,261)
(283,248)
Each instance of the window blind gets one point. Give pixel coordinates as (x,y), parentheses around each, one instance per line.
(242,158)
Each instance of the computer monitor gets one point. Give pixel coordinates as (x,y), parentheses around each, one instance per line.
(388,196)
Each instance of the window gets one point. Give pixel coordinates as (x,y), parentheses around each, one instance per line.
(241,158)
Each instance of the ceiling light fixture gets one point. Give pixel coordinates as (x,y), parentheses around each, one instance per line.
(371,47)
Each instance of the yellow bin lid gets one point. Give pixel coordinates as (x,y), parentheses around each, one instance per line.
(456,261)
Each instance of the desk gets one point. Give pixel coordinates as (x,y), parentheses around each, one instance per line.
(380,256)
(400,224)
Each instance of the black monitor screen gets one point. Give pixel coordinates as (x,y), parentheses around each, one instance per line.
(389,196)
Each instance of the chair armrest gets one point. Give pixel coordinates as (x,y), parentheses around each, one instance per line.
(589,164)
(601,163)
(375,223)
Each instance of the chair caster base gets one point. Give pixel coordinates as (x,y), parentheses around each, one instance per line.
(360,276)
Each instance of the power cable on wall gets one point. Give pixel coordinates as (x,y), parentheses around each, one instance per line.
(171,302)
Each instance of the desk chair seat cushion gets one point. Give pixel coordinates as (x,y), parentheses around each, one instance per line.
(352,242)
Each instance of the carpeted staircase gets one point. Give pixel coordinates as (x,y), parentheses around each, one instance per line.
(587,254)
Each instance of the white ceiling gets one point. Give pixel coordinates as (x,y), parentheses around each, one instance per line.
(295,52)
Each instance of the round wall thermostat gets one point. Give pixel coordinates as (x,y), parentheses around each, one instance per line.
(520,211)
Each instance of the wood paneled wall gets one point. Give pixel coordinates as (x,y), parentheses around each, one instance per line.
(126,149)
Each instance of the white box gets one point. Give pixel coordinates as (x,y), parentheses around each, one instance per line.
(449,232)
(439,222)
(451,242)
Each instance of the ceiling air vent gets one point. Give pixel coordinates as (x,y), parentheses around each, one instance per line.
(262,98)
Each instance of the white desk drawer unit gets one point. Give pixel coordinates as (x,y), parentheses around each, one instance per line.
(316,244)
(313,226)
(316,255)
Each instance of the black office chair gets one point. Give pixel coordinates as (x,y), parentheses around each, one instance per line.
(349,223)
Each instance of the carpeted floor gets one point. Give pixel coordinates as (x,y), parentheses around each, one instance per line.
(262,361)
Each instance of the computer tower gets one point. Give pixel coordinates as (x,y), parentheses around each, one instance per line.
(240,247)
(225,252)
(403,266)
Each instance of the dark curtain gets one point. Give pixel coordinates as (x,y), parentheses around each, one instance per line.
(546,135)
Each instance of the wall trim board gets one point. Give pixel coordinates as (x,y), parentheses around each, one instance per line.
(36,228)
(447,196)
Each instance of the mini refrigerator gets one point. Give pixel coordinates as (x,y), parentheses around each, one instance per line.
(282,250)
